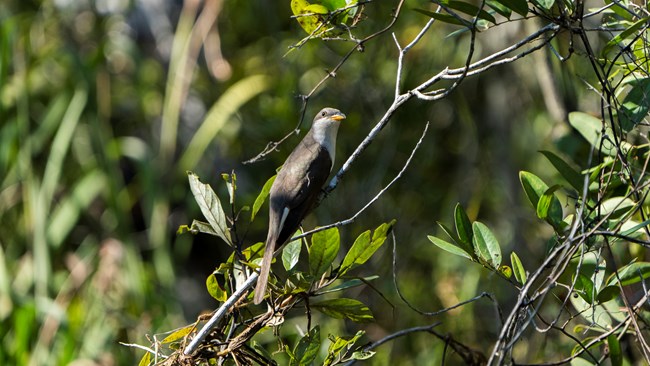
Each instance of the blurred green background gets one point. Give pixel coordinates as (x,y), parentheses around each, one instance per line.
(105,104)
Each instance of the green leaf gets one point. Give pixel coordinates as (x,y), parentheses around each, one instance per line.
(518,268)
(630,31)
(518,6)
(312,24)
(145,360)
(449,247)
(450,234)
(591,128)
(323,250)
(505,271)
(486,245)
(338,345)
(545,4)
(307,348)
(608,293)
(214,289)
(463,228)
(445,18)
(585,288)
(348,284)
(357,253)
(545,201)
(469,9)
(291,254)
(535,188)
(615,355)
(632,273)
(571,175)
(259,201)
(231,185)
(502,10)
(255,251)
(616,207)
(178,334)
(210,207)
(316,9)
(197,227)
(362,354)
(363,247)
(343,308)
(636,104)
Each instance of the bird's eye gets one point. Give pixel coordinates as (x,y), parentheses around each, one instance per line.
(323,114)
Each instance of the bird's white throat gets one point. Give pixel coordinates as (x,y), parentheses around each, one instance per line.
(325,134)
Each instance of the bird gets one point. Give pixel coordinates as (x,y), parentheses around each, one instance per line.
(297,187)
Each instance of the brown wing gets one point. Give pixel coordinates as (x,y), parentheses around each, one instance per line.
(299,185)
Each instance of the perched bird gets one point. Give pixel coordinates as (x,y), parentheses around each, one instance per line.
(298,185)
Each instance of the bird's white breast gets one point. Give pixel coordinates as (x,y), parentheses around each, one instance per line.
(325,135)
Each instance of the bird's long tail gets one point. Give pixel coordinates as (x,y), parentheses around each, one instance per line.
(265,269)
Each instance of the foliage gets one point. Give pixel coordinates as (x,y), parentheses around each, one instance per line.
(105,105)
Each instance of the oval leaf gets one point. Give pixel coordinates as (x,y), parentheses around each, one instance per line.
(259,201)
(631,274)
(210,207)
(307,348)
(518,268)
(214,289)
(486,245)
(291,254)
(351,309)
(323,250)
(535,188)
(463,227)
(363,247)
(449,247)
(571,175)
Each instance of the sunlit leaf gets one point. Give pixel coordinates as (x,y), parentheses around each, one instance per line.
(145,360)
(545,4)
(449,247)
(323,250)
(307,348)
(486,245)
(363,247)
(535,188)
(340,345)
(291,254)
(362,355)
(615,355)
(214,288)
(178,334)
(351,309)
(506,271)
(591,128)
(210,207)
(259,201)
(545,202)
(518,268)
(636,104)
(630,31)
(630,274)
(616,207)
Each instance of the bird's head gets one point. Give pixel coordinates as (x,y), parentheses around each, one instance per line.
(327,118)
